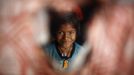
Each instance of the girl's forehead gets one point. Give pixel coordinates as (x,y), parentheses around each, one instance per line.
(67,25)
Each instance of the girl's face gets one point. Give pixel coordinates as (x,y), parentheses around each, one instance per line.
(66,35)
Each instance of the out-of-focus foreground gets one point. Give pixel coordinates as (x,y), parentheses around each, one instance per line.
(24,25)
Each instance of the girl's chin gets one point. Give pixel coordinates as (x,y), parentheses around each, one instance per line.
(66,45)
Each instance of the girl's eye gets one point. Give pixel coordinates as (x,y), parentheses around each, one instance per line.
(60,33)
(72,32)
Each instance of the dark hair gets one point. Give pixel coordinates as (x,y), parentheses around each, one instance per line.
(58,20)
